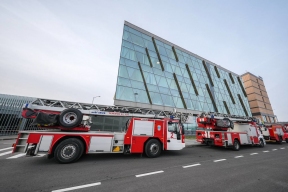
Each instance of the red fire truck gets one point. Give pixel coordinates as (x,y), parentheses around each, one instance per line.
(67,134)
(275,132)
(228,132)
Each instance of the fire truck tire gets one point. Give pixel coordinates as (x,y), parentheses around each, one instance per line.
(286,140)
(261,144)
(280,140)
(70,118)
(236,145)
(69,150)
(153,148)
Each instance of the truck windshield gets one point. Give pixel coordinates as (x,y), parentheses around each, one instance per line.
(173,127)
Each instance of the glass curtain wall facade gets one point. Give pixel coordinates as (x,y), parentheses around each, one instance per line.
(156,72)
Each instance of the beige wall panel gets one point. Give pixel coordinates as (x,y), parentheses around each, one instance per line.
(260,82)
(264,94)
(254,104)
(247,84)
(251,90)
(245,78)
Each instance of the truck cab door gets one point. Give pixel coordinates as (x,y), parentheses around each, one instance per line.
(174,137)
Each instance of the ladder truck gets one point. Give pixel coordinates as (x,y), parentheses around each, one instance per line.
(275,133)
(228,132)
(67,136)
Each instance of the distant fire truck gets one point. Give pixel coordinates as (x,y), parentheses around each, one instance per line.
(228,132)
(275,132)
(67,136)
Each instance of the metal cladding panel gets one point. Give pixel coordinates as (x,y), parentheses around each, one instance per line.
(45,142)
(243,139)
(229,137)
(100,144)
(143,128)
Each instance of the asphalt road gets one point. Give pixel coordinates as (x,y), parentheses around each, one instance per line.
(194,169)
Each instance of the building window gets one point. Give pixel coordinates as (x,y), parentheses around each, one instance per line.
(264,118)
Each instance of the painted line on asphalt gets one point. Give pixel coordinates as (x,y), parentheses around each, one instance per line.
(274,149)
(6,148)
(239,156)
(40,155)
(219,160)
(191,165)
(253,153)
(265,151)
(151,173)
(16,156)
(77,187)
(282,148)
(8,152)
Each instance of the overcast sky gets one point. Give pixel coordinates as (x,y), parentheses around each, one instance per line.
(70,50)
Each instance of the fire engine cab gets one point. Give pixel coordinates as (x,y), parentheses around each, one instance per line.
(67,134)
(228,132)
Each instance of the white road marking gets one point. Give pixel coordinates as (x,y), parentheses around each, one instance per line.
(39,155)
(16,156)
(282,148)
(77,187)
(219,160)
(151,173)
(274,149)
(191,165)
(239,156)
(5,153)
(6,148)
(253,153)
(265,151)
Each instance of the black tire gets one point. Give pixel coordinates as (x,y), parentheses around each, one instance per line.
(69,150)
(70,118)
(153,148)
(236,145)
(261,143)
(280,140)
(286,140)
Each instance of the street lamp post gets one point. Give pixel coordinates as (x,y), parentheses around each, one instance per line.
(94,98)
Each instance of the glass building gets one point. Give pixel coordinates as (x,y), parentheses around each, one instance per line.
(154,73)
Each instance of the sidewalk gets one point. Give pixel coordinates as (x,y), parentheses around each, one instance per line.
(191,142)
(8,137)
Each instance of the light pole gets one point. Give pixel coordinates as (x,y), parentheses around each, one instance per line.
(94,98)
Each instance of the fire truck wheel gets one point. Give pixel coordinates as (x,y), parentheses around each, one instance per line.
(153,148)
(286,140)
(261,144)
(69,150)
(280,140)
(70,118)
(236,145)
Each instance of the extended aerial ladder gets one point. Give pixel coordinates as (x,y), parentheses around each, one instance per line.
(56,107)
